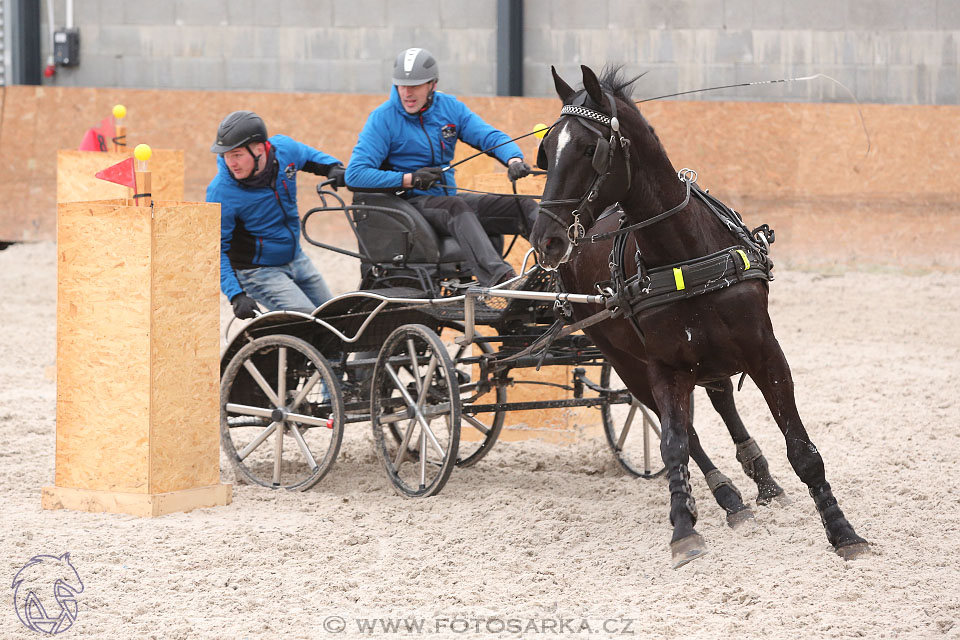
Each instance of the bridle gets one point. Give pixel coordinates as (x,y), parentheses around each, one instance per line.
(605,150)
(602,159)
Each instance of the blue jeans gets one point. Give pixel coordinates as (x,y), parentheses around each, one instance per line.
(295,286)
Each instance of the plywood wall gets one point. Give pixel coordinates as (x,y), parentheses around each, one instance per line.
(137,346)
(795,160)
(77,181)
(103,347)
(185,347)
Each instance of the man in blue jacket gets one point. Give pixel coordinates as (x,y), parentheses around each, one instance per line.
(408,143)
(256,186)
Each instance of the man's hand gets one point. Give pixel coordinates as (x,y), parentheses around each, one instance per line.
(337,173)
(244,306)
(517,170)
(425,178)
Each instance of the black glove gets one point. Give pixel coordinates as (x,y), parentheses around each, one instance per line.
(337,173)
(244,306)
(517,170)
(425,178)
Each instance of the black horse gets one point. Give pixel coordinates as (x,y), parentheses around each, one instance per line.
(601,152)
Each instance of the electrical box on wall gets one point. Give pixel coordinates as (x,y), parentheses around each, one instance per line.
(66,47)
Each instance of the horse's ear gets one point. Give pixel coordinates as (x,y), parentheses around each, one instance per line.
(592,85)
(564,90)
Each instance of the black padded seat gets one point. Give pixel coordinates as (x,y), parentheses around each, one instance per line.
(393,231)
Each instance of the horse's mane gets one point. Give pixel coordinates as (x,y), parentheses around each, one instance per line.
(613,79)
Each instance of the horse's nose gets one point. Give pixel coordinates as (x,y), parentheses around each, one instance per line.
(554,246)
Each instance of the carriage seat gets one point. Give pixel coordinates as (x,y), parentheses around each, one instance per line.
(393,231)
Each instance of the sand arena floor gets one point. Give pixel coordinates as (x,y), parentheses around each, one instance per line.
(546,539)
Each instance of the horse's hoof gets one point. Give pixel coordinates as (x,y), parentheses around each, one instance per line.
(854,551)
(782,499)
(738,519)
(686,549)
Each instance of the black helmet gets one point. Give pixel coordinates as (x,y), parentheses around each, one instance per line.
(238,129)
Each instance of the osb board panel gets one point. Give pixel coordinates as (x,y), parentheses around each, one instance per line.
(76,181)
(184,346)
(790,153)
(103,346)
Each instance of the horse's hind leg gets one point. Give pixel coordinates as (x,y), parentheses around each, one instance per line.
(776,384)
(726,494)
(748,453)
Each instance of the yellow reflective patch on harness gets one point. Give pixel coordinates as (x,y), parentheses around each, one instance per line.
(678,276)
(746,263)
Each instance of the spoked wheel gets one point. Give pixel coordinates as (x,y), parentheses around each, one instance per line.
(633,432)
(478,431)
(415,411)
(281,413)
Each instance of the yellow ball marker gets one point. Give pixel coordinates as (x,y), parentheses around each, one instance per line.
(540,130)
(142,152)
(119,111)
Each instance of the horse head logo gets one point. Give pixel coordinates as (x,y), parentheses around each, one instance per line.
(45,593)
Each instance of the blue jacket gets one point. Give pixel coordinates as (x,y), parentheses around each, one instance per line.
(261,227)
(394,142)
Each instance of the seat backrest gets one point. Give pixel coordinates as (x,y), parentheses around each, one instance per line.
(393,231)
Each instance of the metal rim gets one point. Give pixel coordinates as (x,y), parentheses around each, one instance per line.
(635,438)
(281,413)
(412,391)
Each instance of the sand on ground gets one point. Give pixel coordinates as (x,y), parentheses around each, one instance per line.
(539,539)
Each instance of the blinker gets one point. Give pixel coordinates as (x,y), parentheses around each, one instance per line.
(601,156)
(542,157)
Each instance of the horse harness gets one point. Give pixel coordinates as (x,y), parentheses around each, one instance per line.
(747,260)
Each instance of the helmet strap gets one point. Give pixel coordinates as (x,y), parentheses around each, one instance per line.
(426,105)
(256,159)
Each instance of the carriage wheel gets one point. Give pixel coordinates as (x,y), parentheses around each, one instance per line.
(281,413)
(633,432)
(478,432)
(415,411)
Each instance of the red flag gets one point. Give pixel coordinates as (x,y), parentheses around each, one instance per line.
(93,140)
(96,138)
(120,173)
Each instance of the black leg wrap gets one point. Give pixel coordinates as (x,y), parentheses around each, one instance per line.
(756,468)
(747,453)
(715,479)
(682,494)
(839,531)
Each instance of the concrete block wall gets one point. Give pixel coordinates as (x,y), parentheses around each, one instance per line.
(884,51)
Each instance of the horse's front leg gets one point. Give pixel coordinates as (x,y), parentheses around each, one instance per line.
(673,399)
(748,453)
(776,385)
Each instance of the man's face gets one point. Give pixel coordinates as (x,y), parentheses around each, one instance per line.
(240,162)
(413,98)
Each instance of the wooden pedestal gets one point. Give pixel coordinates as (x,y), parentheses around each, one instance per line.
(137,358)
(76,181)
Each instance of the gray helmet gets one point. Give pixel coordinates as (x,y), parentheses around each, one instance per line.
(238,129)
(414,66)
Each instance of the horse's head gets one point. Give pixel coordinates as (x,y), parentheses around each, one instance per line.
(587,153)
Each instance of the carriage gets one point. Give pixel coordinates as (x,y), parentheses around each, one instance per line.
(419,352)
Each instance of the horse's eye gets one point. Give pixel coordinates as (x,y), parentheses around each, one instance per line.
(590,151)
